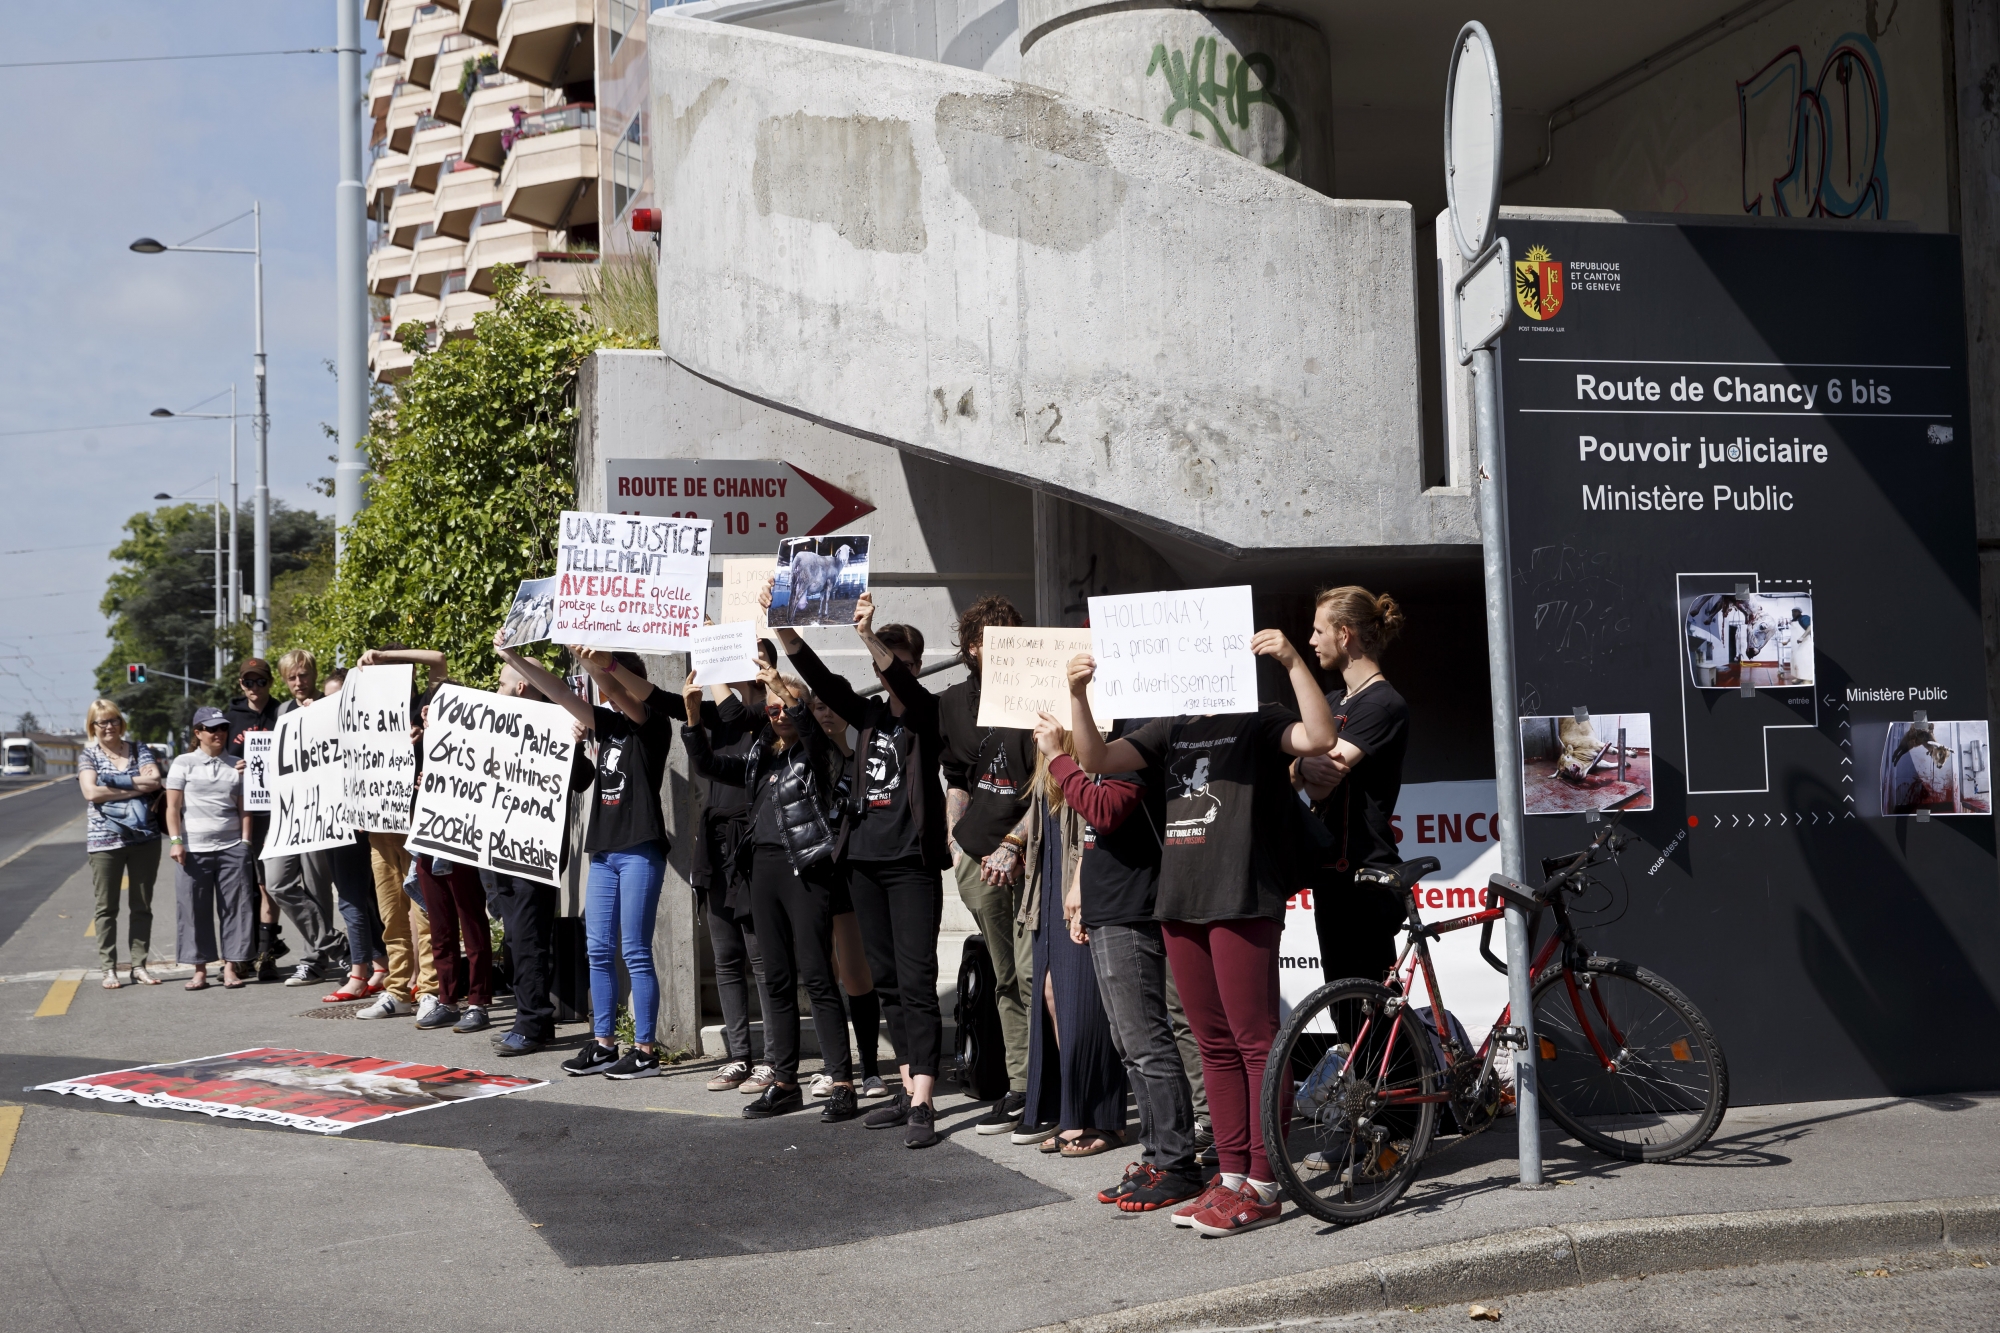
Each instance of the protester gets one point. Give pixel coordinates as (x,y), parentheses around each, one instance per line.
(354,888)
(790,771)
(850,956)
(1225,875)
(894,844)
(627,842)
(456,903)
(123,844)
(303,885)
(1354,787)
(1078,1088)
(986,778)
(255,710)
(209,839)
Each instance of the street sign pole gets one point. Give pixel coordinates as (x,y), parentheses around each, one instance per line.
(1472,146)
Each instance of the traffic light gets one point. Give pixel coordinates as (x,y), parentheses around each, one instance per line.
(135,673)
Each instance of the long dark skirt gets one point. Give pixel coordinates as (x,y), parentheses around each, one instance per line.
(1081,1084)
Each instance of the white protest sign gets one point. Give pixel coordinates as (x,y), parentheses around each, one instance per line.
(257,770)
(375,747)
(1163,654)
(722,654)
(1024,672)
(307,784)
(630,582)
(495,785)
(743,580)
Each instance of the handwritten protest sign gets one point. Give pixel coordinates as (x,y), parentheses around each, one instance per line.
(624,581)
(308,782)
(375,747)
(257,770)
(1025,672)
(743,580)
(495,786)
(720,654)
(1161,654)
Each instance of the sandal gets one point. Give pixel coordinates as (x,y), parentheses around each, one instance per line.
(142,977)
(200,981)
(377,980)
(1090,1143)
(354,988)
(231,979)
(111,981)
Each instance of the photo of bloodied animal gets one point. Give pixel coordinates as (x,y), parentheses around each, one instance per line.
(819,579)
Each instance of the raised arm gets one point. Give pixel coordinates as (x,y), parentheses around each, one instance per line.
(1093,755)
(834,690)
(430,659)
(1104,805)
(1315,731)
(630,694)
(551,686)
(787,639)
(730,769)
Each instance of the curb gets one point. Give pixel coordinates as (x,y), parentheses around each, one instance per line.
(1546,1258)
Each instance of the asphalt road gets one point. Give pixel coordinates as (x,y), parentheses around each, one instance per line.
(27,812)
(1914,1291)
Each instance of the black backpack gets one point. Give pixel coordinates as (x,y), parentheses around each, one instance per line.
(981,1050)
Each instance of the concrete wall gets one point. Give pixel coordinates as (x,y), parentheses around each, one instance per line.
(1091,305)
(968,34)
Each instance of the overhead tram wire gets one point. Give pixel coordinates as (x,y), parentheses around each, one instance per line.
(138,60)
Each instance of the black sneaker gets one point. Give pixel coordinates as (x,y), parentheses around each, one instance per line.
(923,1127)
(440,1015)
(636,1063)
(267,967)
(1164,1190)
(594,1058)
(1027,1135)
(775,1100)
(473,1019)
(840,1105)
(1006,1113)
(890,1116)
(1137,1176)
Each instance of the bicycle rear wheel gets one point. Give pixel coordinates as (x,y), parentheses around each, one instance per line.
(1341,1138)
(1668,1083)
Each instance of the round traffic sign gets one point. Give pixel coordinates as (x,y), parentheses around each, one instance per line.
(1472,139)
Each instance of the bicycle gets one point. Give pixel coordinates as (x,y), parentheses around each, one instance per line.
(1626,1064)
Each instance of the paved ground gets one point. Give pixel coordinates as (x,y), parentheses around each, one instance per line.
(565,1206)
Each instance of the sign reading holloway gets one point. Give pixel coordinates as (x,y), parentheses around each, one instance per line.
(624,582)
(1739,499)
(495,785)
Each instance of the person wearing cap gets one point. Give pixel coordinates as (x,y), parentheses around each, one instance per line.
(208,836)
(256,710)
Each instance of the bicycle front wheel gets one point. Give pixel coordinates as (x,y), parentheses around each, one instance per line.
(1341,1126)
(1627,1065)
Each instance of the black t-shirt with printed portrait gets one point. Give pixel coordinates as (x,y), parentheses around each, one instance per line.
(631,764)
(1376,720)
(993,766)
(886,831)
(1227,851)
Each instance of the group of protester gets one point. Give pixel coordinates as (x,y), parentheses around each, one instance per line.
(1130,888)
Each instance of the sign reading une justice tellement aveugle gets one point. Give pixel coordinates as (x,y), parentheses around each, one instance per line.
(630,582)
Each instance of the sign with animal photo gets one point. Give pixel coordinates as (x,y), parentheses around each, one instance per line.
(377,753)
(629,582)
(257,770)
(495,785)
(308,784)
(819,580)
(1024,673)
(1160,654)
(532,615)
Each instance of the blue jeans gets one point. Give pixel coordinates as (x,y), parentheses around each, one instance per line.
(619,905)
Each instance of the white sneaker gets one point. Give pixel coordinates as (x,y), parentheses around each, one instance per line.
(762,1077)
(821,1086)
(872,1089)
(305,974)
(388,1006)
(425,1003)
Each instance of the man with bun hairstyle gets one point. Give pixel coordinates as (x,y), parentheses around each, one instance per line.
(1354,786)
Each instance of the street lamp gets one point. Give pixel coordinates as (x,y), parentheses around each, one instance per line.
(235,500)
(260,625)
(216,550)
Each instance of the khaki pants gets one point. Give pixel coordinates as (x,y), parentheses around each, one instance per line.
(1013,952)
(138,862)
(406,930)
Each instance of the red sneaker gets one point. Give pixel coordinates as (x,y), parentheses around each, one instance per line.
(1216,1193)
(1243,1210)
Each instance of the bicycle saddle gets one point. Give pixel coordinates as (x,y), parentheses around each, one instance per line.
(1403,877)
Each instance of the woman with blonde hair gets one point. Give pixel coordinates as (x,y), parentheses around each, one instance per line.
(120,836)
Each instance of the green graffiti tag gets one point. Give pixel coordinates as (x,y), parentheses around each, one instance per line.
(1233,97)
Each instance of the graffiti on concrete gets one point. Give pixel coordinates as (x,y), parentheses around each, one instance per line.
(1207,102)
(1817,147)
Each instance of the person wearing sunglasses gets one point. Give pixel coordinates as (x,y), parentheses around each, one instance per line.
(208,835)
(122,841)
(256,710)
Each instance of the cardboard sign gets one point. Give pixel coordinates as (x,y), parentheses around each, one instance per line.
(1025,672)
(375,747)
(257,770)
(724,654)
(308,784)
(629,582)
(1164,654)
(495,785)
(743,579)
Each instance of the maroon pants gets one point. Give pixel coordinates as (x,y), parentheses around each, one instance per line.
(1227,975)
(452,900)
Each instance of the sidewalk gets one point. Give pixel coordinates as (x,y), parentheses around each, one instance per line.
(564,1206)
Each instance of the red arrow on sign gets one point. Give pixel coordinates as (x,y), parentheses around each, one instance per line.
(845,508)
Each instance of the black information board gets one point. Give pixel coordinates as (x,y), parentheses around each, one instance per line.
(1741,537)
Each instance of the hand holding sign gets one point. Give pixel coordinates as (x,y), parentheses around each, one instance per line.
(625,582)
(1185,652)
(1024,674)
(725,654)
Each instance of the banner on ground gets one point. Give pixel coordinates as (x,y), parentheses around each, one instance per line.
(309,1090)
(376,751)
(308,784)
(1162,654)
(721,654)
(1024,672)
(630,582)
(495,785)
(257,770)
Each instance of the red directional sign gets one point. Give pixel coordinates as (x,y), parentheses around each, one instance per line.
(753,502)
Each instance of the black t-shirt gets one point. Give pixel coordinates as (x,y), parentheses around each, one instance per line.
(631,763)
(1377,722)
(1227,855)
(1120,875)
(886,831)
(243,719)
(994,766)
(731,730)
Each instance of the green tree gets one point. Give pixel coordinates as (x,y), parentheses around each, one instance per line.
(471,465)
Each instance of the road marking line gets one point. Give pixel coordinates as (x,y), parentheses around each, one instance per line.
(61,991)
(675,1110)
(90,931)
(42,841)
(23,791)
(10,1120)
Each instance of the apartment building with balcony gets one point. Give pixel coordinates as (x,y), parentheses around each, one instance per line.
(501,132)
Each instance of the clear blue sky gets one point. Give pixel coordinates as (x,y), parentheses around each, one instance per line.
(103,154)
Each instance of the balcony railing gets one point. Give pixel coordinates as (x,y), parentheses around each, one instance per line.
(555,120)
(427,121)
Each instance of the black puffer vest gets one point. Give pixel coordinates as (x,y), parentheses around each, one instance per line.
(804,795)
